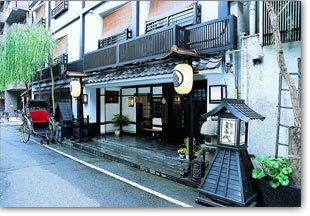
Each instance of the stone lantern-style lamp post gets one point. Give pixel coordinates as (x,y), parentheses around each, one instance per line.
(228,181)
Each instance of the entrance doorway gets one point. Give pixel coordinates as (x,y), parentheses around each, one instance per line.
(179,121)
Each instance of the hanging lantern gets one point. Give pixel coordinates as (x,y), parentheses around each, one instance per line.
(183,78)
(75,88)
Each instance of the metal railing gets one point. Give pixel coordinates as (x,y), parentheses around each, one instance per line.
(190,16)
(114,39)
(289,19)
(60,8)
(42,22)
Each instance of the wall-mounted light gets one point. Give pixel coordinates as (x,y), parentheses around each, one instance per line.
(131,101)
(217,93)
(183,78)
(75,88)
(177,99)
(85,98)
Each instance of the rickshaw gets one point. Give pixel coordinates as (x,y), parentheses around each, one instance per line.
(38,122)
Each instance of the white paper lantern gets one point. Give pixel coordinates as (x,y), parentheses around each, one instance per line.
(75,88)
(183,78)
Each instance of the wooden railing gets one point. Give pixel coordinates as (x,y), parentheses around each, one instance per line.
(152,45)
(289,19)
(60,8)
(213,36)
(206,38)
(114,39)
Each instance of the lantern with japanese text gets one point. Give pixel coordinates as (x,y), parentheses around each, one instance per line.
(228,180)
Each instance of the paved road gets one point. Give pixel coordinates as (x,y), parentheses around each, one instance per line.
(35,176)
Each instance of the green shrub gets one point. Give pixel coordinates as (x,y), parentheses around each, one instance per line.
(276,170)
(119,120)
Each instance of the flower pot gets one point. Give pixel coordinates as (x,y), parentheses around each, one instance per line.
(277,197)
(181,156)
(117,132)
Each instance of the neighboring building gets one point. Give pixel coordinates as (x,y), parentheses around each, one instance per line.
(118,44)
(12,12)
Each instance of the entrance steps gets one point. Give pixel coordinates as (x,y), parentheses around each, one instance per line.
(148,160)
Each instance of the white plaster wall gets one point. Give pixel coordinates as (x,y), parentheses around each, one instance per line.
(73,40)
(209,10)
(90,107)
(93,23)
(74,9)
(143,15)
(260,88)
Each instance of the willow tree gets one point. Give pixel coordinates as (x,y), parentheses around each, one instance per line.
(24,50)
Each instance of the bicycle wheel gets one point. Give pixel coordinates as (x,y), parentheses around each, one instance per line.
(26,132)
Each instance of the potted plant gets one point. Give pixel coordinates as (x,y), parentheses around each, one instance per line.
(273,181)
(182,152)
(185,147)
(119,120)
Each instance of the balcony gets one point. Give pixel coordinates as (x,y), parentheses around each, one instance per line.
(213,36)
(59,68)
(289,22)
(60,9)
(206,38)
(16,12)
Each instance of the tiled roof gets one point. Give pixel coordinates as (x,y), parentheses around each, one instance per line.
(129,73)
(237,107)
(147,70)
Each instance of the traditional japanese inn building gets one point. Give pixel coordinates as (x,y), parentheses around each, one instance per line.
(120,51)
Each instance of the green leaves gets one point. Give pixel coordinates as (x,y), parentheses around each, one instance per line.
(276,169)
(24,50)
(257,173)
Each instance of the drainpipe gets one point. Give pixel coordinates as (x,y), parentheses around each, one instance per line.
(252,17)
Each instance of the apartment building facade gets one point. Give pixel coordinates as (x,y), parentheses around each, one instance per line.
(122,47)
(12,12)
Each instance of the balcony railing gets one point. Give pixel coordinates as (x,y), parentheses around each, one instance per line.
(190,16)
(289,22)
(206,38)
(213,36)
(42,22)
(60,66)
(60,8)
(152,45)
(114,39)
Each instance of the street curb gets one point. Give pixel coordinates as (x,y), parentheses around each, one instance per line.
(95,151)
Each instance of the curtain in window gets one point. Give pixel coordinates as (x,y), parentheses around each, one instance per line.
(61,46)
(40,13)
(160,9)
(117,21)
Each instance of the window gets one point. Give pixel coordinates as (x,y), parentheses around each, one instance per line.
(217,93)
(111,96)
(117,21)
(157,104)
(61,46)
